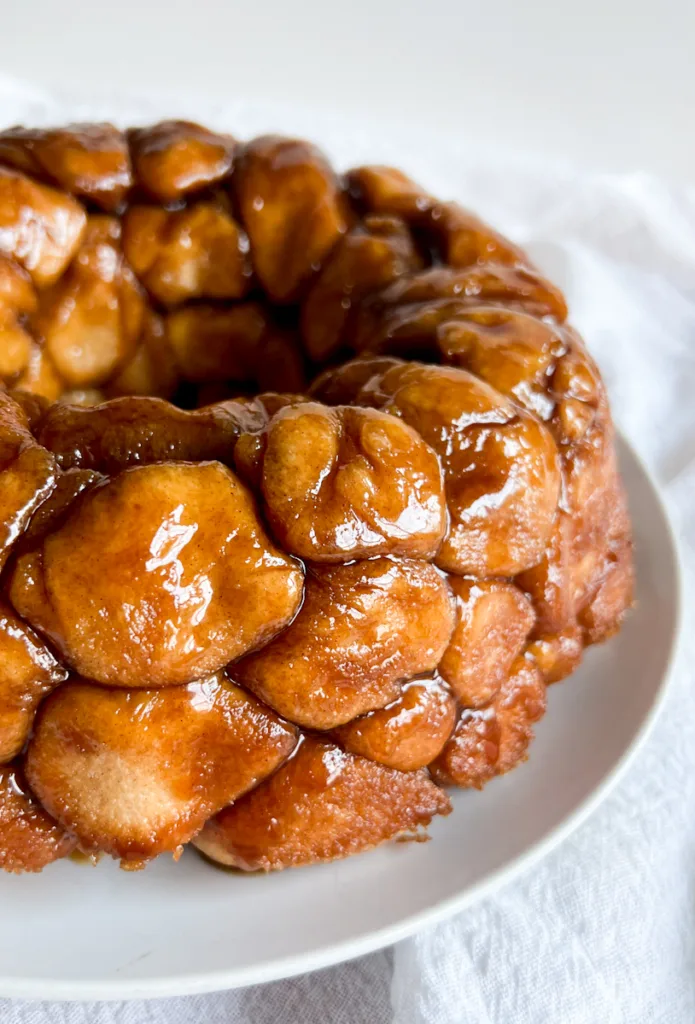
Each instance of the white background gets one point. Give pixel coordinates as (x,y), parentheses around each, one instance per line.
(609,83)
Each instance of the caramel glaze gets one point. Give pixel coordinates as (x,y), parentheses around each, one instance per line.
(29,838)
(337,570)
(135,774)
(325,803)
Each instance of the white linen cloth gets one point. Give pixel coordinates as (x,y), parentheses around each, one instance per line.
(603,930)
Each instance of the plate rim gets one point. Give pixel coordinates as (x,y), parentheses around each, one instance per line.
(229,979)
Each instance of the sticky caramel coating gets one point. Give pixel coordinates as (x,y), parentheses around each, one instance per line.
(322,805)
(15,345)
(27,474)
(291,205)
(137,773)
(17,299)
(558,654)
(408,733)
(151,370)
(459,237)
(501,467)
(557,641)
(175,158)
(236,343)
(373,254)
(87,160)
(514,352)
(29,671)
(601,558)
(443,291)
(342,483)
(362,630)
(199,252)
(279,363)
(40,227)
(138,431)
(492,740)
(493,621)
(29,838)
(40,376)
(92,318)
(544,367)
(34,407)
(16,289)
(69,485)
(549,583)
(342,384)
(461,517)
(157,577)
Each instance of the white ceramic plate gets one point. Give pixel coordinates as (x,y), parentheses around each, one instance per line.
(78,933)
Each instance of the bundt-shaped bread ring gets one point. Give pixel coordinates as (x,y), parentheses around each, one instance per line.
(307,491)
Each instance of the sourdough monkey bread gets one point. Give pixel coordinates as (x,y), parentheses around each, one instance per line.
(307,492)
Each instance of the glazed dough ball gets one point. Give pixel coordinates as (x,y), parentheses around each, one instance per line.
(92,318)
(493,620)
(492,740)
(158,576)
(291,206)
(40,227)
(152,369)
(195,253)
(174,158)
(343,483)
(88,160)
(436,295)
(40,376)
(373,253)
(29,838)
(28,671)
(137,773)
(408,733)
(459,238)
(237,344)
(138,431)
(362,630)
(322,805)
(27,474)
(17,300)
(501,466)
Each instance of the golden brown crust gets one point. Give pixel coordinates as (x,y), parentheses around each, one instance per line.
(29,838)
(492,740)
(28,672)
(135,774)
(27,474)
(322,805)
(363,628)
(152,369)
